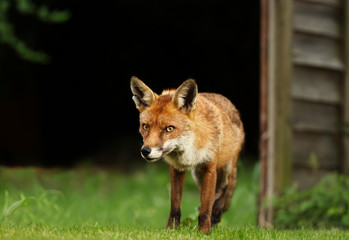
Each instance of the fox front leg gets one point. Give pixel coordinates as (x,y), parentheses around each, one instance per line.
(207,195)
(177,184)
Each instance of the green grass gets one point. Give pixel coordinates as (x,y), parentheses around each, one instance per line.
(87,203)
(95,231)
(89,196)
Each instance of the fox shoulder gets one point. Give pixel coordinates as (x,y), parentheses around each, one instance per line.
(224,105)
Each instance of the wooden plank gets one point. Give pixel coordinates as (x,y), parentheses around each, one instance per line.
(270,164)
(317,19)
(263,212)
(283,72)
(306,178)
(315,117)
(325,147)
(309,50)
(330,3)
(319,85)
(345,163)
(278,164)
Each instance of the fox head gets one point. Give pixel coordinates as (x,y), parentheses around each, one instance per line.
(165,118)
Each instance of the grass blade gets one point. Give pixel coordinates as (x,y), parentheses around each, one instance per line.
(16,205)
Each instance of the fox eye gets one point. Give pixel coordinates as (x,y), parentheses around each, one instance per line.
(145,127)
(169,129)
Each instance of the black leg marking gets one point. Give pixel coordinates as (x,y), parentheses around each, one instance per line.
(217,208)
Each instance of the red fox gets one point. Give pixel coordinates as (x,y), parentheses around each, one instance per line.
(201,132)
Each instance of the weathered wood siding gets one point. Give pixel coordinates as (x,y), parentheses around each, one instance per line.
(276,69)
(345,165)
(317,88)
(304,95)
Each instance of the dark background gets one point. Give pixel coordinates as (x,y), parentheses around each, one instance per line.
(78,108)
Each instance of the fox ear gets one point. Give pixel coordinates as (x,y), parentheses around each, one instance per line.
(185,95)
(143,96)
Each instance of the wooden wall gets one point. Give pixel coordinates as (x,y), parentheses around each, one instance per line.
(304,95)
(275,125)
(317,88)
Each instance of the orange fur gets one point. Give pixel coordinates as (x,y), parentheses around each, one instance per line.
(194,131)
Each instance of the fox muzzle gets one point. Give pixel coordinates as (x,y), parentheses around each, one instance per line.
(151,155)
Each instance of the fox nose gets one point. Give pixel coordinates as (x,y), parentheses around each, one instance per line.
(145,151)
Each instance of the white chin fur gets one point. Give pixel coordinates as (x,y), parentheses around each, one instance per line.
(151,160)
(155,154)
